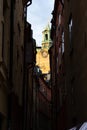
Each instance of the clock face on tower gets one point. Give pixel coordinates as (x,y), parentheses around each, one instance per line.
(44,54)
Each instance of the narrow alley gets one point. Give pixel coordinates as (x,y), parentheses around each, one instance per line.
(43,77)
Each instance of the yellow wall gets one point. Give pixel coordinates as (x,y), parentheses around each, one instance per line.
(43,62)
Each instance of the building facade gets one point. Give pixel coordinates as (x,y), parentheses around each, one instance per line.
(57,64)
(75,58)
(12,71)
(30,61)
(42,104)
(42,56)
(5,10)
(68,70)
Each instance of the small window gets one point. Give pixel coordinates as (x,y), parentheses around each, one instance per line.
(62,42)
(70,30)
(25,12)
(19,28)
(70,25)
(59,19)
(46,36)
(57,63)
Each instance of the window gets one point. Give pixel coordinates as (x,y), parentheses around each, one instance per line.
(46,36)
(70,31)
(57,64)
(70,25)
(19,28)
(59,19)
(62,42)
(25,12)
(59,55)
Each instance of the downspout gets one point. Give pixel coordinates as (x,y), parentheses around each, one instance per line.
(10,62)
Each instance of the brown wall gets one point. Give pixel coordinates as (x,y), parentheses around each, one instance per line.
(18,51)
(4,60)
(11,63)
(57,68)
(76,61)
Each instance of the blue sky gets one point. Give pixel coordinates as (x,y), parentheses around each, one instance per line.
(39,14)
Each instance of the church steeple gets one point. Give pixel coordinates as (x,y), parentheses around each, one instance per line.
(42,57)
(46,40)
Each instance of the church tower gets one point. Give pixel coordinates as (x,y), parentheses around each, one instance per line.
(46,40)
(42,57)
